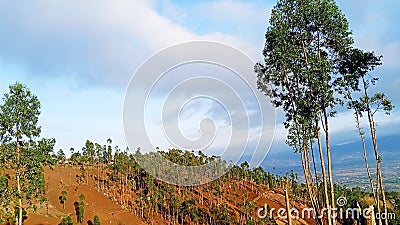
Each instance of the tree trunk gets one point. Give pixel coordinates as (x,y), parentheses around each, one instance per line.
(329,208)
(289,216)
(377,156)
(317,194)
(310,187)
(328,153)
(378,207)
(98,176)
(361,133)
(371,220)
(321,155)
(19,183)
(382,192)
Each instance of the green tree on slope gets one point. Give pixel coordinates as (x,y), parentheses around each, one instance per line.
(26,157)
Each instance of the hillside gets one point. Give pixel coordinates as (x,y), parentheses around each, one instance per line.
(122,192)
(110,211)
(64,178)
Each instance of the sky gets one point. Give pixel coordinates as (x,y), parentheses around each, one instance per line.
(78,57)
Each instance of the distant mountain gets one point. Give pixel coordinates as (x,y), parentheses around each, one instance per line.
(348,162)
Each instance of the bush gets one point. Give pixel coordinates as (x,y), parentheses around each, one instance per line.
(66,221)
(96,220)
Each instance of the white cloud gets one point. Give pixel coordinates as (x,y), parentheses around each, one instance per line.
(80,42)
(102,42)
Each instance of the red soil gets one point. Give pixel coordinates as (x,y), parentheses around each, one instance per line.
(64,178)
(109,212)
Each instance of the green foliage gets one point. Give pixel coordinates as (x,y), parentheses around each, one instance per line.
(24,213)
(250,222)
(354,66)
(108,155)
(81,208)
(60,155)
(381,102)
(220,214)
(19,114)
(63,198)
(76,158)
(89,151)
(96,220)
(4,200)
(66,221)
(63,195)
(81,197)
(35,156)
(303,44)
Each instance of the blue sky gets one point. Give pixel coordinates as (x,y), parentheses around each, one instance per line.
(78,56)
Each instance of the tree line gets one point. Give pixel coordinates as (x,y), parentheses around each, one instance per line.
(227,200)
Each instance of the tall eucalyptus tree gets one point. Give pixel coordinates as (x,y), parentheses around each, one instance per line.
(26,157)
(355,67)
(303,46)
